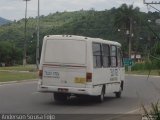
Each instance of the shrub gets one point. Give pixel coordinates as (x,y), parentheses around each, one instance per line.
(154,113)
(138,66)
(148,65)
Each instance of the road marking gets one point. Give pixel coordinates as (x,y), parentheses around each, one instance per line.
(134,111)
(18,82)
(34,93)
(150,76)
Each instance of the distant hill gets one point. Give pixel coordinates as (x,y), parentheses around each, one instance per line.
(4,21)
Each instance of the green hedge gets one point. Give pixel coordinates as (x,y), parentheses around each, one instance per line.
(155,64)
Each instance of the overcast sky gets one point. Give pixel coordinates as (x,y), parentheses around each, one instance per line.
(14,9)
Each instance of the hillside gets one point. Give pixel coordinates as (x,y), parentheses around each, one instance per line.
(4,21)
(90,23)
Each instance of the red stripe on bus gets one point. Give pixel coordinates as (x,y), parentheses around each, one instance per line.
(62,65)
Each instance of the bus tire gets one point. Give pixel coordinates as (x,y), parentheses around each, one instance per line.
(60,97)
(118,94)
(100,98)
(122,84)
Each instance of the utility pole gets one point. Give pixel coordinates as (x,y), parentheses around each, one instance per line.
(130,42)
(25,36)
(130,39)
(37,47)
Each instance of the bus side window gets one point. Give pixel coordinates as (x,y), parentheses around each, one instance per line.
(119,57)
(105,55)
(97,55)
(113,52)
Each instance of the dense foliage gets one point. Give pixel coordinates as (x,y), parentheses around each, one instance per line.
(108,24)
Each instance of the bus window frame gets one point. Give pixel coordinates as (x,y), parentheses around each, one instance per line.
(116,62)
(108,56)
(101,59)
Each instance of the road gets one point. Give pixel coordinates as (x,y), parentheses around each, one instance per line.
(23,98)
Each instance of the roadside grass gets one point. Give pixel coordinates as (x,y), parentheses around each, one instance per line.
(17,76)
(17,73)
(144,72)
(30,68)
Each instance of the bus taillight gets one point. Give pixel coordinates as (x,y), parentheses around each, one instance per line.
(40,73)
(88,77)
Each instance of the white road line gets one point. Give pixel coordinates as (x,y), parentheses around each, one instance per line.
(138,110)
(19,82)
(150,76)
(35,93)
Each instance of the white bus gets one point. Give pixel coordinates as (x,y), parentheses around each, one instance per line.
(77,65)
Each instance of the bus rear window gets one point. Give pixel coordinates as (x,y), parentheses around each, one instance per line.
(65,51)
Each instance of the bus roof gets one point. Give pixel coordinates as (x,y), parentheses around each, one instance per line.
(75,37)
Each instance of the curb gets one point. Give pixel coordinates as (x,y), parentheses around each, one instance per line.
(153,76)
(14,71)
(20,81)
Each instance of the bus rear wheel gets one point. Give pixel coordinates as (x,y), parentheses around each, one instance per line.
(118,94)
(100,98)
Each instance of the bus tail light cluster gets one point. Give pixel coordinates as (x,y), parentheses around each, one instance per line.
(88,77)
(40,73)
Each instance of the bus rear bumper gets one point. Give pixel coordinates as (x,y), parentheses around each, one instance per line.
(93,91)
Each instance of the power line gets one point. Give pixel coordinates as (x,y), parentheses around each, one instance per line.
(151,2)
(154,7)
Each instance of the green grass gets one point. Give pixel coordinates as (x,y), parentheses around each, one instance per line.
(144,72)
(30,68)
(13,73)
(17,76)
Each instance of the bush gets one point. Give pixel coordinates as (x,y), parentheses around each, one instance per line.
(142,66)
(155,64)
(153,113)
(138,66)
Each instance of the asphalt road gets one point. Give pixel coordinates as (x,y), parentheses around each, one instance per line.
(23,98)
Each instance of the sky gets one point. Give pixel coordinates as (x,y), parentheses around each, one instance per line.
(15,9)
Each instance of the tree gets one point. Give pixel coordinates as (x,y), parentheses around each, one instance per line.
(126,15)
(124,19)
(8,53)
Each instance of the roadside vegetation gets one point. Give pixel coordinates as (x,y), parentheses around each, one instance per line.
(152,113)
(151,64)
(17,76)
(26,68)
(146,68)
(18,73)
